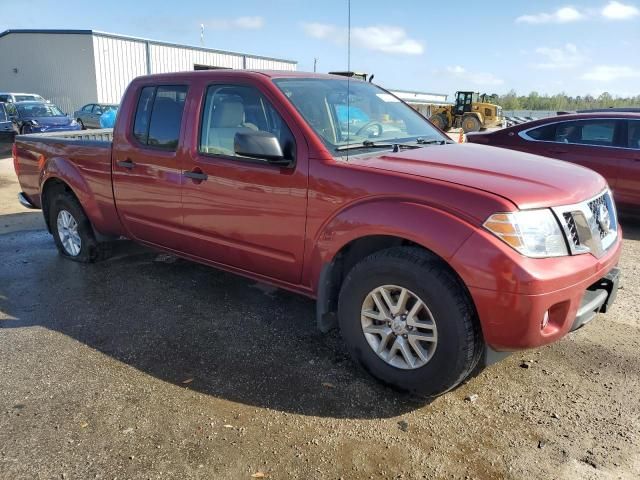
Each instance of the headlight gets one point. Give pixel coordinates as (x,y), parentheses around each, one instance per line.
(34,123)
(534,233)
(73,123)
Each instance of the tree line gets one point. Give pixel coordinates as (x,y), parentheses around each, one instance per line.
(561,101)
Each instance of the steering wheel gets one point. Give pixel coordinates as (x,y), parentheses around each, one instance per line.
(368,125)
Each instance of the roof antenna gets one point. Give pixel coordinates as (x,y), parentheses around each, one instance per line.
(348,73)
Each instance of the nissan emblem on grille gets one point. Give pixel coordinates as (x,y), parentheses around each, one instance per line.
(604,220)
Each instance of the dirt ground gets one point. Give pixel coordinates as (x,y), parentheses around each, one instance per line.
(146,366)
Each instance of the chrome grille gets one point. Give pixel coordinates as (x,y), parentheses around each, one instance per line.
(572,229)
(595,206)
(590,226)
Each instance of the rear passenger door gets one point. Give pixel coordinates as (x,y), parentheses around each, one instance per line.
(627,191)
(147,166)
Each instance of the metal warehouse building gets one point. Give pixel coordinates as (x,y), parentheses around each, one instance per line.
(75,67)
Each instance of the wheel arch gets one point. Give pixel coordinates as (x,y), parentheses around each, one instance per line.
(434,231)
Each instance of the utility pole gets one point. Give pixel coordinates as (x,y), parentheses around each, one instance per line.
(315,63)
(202,34)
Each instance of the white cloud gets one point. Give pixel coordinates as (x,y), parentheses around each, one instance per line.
(245,23)
(568,56)
(562,15)
(386,39)
(322,31)
(619,11)
(475,78)
(609,73)
(381,38)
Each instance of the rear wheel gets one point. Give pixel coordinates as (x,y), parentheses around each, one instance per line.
(440,121)
(72,231)
(470,123)
(407,320)
(25,129)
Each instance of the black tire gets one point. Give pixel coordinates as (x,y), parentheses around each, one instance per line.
(440,121)
(459,345)
(90,249)
(470,123)
(25,129)
(81,123)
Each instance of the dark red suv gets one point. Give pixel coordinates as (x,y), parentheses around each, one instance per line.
(608,143)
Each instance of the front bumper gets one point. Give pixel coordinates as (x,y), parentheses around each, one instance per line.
(597,298)
(512,293)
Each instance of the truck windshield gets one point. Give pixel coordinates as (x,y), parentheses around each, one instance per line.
(363,113)
(3,113)
(37,109)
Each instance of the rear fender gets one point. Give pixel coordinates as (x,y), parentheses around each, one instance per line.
(61,169)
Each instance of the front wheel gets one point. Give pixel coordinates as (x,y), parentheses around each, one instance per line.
(409,322)
(471,123)
(72,231)
(81,123)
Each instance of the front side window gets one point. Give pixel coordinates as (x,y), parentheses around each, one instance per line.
(587,132)
(231,109)
(159,116)
(343,113)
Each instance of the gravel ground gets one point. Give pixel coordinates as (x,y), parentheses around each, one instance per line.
(148,366)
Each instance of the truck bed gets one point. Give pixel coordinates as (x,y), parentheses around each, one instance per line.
(83,158)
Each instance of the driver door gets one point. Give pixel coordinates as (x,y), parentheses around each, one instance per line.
(242,212)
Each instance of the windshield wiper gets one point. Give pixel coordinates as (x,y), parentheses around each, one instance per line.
(369,144)
(422,141)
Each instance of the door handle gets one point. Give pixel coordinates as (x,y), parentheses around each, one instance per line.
(128,163)
(558,150)
(196,175)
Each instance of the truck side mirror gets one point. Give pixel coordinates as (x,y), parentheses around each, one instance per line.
(261,145)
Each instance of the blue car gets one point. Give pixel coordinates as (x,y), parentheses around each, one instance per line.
(36,117)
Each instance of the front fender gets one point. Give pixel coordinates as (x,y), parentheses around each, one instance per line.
(62,169)
(436,230)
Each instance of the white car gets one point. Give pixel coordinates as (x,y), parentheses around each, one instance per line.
(12,97)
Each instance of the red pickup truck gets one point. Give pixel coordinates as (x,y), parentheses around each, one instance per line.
(430,256)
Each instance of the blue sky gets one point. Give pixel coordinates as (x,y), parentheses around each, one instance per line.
(580,47)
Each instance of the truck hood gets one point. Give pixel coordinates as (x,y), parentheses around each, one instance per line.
(51,121)
(528,181)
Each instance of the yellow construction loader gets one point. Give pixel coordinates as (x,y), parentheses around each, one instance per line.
(471,112)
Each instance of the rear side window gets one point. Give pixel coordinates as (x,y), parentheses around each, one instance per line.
(87,108)
(634,134)
(143,113)
(159,115)
(546,133)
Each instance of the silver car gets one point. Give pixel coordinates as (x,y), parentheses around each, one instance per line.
(89,115)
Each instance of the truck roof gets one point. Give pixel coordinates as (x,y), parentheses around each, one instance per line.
(242,73)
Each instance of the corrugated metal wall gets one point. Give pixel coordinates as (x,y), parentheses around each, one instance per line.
(166,59)
(73,69)
(117,62)
(58,67)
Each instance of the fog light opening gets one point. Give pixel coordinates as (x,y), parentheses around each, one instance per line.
(545,320)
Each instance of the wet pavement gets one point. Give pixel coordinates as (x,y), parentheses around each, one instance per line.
(149,366)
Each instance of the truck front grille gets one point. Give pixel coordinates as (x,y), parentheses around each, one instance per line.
(590,226)
(572,229)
